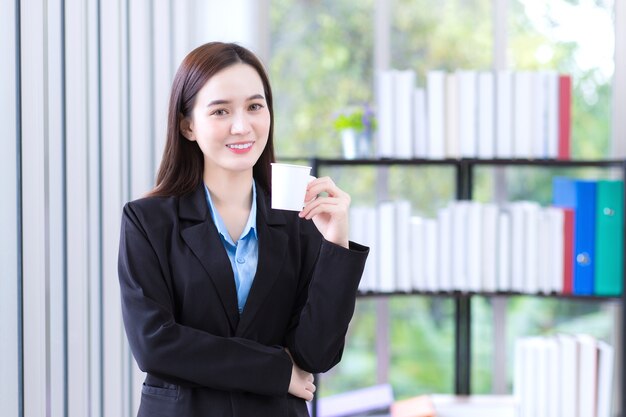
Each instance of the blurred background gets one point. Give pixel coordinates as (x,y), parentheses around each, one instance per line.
(84,91)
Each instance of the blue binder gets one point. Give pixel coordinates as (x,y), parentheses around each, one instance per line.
(580,195)
(584,237)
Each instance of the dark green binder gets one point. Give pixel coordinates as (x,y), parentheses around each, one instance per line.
(609,265)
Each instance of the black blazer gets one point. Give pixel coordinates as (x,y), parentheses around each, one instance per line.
(179,307)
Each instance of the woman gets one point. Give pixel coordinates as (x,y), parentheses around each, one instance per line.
(230,306)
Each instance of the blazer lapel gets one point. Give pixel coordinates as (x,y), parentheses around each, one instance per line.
(273,242)
(203,239)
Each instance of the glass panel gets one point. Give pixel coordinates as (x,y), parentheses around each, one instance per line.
(321,61)
(357,368)
(482,333)
(532,183)
(422,345)
(578,38)
(450,34)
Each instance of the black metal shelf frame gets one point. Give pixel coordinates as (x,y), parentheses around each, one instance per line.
(464,168)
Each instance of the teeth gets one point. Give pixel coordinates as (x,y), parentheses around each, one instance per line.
(240,146)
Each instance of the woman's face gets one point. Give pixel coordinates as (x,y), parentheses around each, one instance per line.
(230,120)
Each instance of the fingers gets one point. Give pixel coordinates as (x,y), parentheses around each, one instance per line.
(308,391)
(323,185)
(329,205)
(336,201)
(301,384)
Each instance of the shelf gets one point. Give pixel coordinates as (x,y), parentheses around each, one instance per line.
(453,294)
(465,171)
(470,161)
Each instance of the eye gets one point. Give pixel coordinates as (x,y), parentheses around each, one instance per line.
(219,112)
(256,106)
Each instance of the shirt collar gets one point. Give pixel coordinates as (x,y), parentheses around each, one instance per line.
(219,223)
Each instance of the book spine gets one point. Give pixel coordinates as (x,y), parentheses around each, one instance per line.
(565,116)
(486,115)
(609,265)
(386,111)
(504,114)
(568,250)
(435,97)
(584,240)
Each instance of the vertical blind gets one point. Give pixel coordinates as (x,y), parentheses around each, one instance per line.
(84,91)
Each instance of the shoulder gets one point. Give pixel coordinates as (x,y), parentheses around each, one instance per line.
(151,211)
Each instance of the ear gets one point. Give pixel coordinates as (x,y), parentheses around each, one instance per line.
(186,127)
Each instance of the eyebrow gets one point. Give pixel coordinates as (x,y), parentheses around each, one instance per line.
(219,102)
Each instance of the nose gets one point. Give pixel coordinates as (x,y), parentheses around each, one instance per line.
(241,124)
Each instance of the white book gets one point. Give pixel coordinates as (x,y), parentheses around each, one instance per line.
(418,254)
(556,249)
(435,97)
(445,238)
(404,85)
(357,234)
(523,120)
(385,102)
(432,255)
(453,149)
(531,244)
(544,252)
(530,372)
(473,406)
(371,240)
(553,377)
(420,129)
(504,114)
(467,82)
(504,250)
(386,246)
(552,114)
(519,352)
(403,249)
(518,244)
(588,373)
(459,245)
(490,214)
(605,378)
(541,378)
(486,115)
(539,115)
(363,401)
(568,365)
(474,240)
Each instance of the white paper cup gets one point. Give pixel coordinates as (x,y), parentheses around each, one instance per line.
(289,184)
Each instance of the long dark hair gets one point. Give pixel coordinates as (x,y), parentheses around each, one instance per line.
(182,164)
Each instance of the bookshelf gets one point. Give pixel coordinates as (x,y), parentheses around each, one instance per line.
(464,181)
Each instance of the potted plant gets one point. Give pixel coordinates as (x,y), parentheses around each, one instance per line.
(356,125)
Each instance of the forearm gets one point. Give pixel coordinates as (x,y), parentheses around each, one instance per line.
(316,341)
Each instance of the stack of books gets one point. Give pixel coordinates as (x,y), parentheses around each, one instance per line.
(563,376)
(472,114)
(574,246)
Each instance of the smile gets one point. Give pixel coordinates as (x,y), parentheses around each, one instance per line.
(240,146)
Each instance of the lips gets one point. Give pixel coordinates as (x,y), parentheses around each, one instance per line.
(241,147)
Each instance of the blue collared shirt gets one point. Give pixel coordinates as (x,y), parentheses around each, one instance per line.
(243,255)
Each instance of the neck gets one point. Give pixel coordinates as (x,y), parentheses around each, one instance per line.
(230,189)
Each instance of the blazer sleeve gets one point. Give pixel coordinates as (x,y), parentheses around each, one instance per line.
(325,306)
(180,353)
